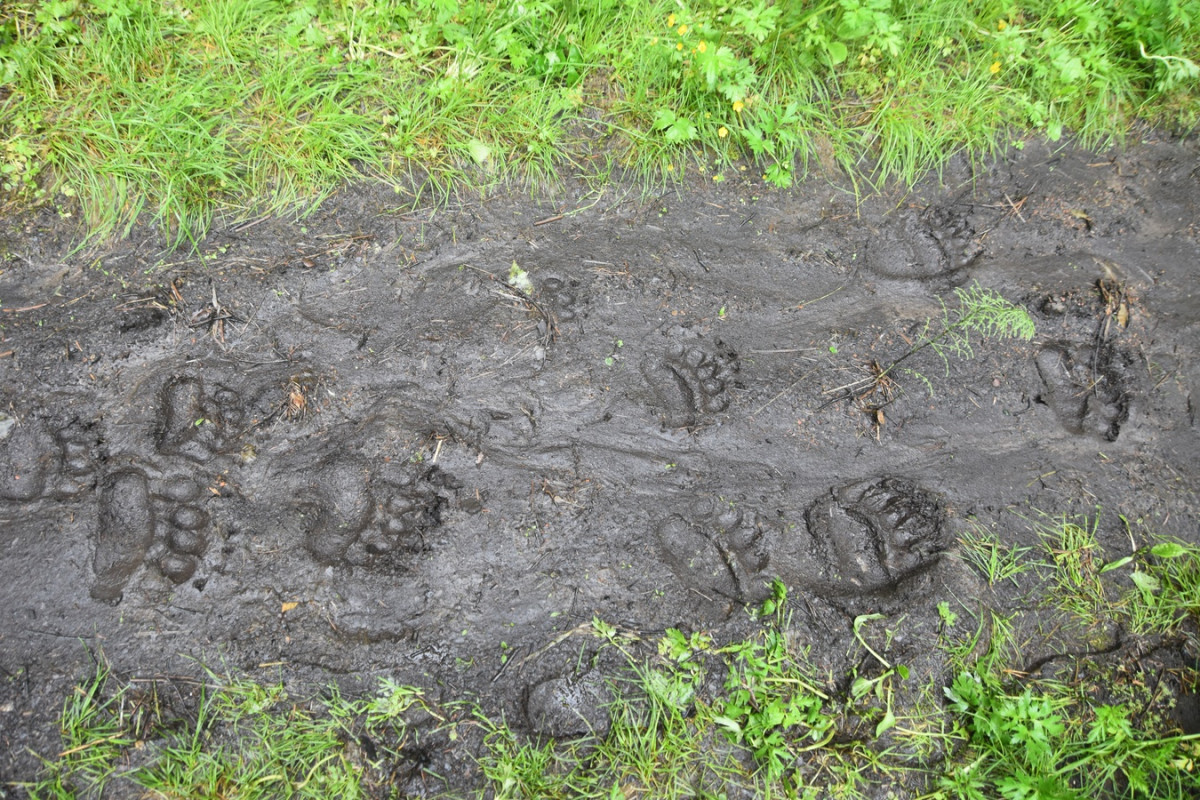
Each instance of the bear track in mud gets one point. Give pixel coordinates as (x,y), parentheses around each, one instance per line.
(561,296)
(46,460)
(136,525)
(720,550)
(198,424)
(692,381)
(936,243)
(1087,386)
(357,518)
(872,534)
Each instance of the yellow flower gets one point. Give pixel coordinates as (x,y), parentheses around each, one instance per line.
(671,21)
(1001,25)
(679,45)
(702,47)
(722,131)
(683,29)
(994,68)
(738,105)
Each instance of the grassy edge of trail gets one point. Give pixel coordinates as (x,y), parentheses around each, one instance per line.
(130,110)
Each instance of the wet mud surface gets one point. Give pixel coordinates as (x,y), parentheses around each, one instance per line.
(347,448)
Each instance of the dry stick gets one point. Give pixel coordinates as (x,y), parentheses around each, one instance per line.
(883,373)
(781,394)
(583,627)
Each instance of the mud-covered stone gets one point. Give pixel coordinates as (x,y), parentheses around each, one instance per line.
(562,708)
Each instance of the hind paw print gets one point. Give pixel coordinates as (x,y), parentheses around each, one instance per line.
(937,243)
(1087,388)
(36,463)
(197,423)
(560,296)
(873,534)
(691,381)
(358,519)
(721,551)
(141,521)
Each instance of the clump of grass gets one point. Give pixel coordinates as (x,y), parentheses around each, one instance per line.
(1076,563)
(1166,587)
(245,739)
(96,729)
(993,560)
(134,107)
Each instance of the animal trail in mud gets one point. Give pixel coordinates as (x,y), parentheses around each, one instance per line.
(691,381)
(872,534)
(866,536)
(936,243)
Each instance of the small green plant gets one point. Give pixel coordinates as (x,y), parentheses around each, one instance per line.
(1166,591)
(982,312)
(1045,742)
(519,279)
(882,686)
(95,730)
(772,704)
(1076,562)
(994,561)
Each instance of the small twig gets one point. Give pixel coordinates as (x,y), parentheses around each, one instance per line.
(793,385)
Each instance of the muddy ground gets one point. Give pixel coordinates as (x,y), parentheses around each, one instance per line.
(345,447)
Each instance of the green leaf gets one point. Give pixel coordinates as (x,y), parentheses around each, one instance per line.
(598,625)
(1120,562)
(758,22)
(663,119)
(1145,581)
(519,279)
(681,131)
(730,725)
(779,175)
(1168,550)
(837,52)
(888,721)
(479,151)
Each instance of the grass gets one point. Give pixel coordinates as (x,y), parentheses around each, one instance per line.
(697,718)
(131,109)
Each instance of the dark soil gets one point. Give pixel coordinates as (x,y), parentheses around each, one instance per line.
(355,418)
